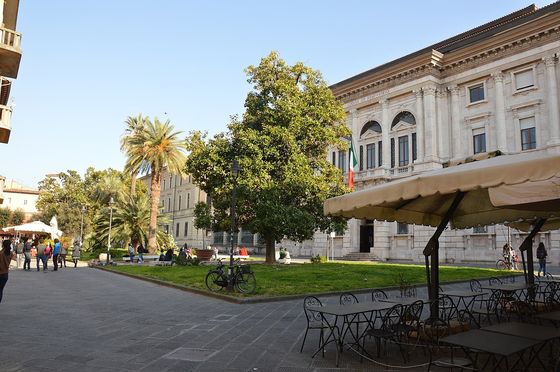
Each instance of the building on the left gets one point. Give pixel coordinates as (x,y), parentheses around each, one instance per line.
(20,197)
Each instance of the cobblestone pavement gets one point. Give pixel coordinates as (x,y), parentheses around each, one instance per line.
(91,320)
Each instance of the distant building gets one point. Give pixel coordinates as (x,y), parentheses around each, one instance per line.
(489,90)
(17,196)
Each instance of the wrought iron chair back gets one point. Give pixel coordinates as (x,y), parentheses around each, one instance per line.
(313,317)
(494,281)
(348,299)
(378,294)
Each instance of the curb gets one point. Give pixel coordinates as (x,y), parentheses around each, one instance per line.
(255,300)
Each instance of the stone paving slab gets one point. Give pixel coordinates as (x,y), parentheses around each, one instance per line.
(91,320)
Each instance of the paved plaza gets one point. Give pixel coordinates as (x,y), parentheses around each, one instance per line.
(91,320)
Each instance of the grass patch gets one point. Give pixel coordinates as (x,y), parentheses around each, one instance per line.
(299,279)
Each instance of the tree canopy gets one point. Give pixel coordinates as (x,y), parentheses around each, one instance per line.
(281,144)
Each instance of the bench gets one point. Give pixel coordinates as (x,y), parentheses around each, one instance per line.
(164,263)
(147,257)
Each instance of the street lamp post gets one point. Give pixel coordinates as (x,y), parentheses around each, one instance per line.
(111,201)
(235,170)
(82,225)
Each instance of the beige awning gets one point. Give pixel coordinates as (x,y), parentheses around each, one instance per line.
(508,188)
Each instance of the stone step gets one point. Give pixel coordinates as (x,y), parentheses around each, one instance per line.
(359,256)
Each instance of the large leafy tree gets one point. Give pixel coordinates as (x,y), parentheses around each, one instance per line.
(134,126)
(281,144)
(149,150)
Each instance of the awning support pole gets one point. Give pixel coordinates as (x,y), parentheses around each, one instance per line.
(527,245)
(432,249)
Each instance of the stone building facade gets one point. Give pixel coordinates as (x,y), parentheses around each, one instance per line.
(490,90)
(20,197)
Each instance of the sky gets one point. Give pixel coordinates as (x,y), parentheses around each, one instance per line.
(89,64)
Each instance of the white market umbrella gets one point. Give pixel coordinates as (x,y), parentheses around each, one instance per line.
(33,227)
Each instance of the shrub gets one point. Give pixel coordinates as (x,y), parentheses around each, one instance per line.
(318,259)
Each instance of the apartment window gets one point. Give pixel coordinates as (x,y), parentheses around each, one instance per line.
(334,158)
(169,204)
(523,79)
(170,181)
(181,181)
(163,205)
(403,151)
(379,154)
(402,228)
(370,156)
(186,229)
(246,237)
(480,230)
(414,145)
(392,153)
(342,161)
(9,200)
(188,200)
(163,185)
(362,157)
(179,202)
(479,141)
(177,230)
(166,228)
(25,202)
(476,93)
(190,179)
(528,133)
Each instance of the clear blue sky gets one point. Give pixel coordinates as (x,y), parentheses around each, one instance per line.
(88,64)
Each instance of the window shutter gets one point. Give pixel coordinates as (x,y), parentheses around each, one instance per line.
(527,123)
(361,157)
(380,153)
(392,153)
(414,153)
(524,79)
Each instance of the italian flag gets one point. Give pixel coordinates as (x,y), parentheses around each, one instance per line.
(353,164)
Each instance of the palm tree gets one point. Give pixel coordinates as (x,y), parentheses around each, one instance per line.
(151,150)
(134,125)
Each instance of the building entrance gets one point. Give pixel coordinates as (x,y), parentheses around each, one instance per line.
(366,238)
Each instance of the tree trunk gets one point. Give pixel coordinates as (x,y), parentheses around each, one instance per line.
(270,251)
(133,185)
(154,210)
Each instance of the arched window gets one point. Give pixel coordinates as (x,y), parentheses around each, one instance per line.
(371,126)
(405,117)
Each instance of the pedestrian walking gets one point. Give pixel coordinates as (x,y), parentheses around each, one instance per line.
(62,255)
(56,252)
(76,253)
(141,253)
(47,251)
(19,252)
(27,255)
(6,256)
(131,252)
(541,256)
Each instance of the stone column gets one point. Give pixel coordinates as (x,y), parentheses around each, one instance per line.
(419,127)
(552,101)
(354,124)
(501,135)
(386,127)
(430,124)
(457,150)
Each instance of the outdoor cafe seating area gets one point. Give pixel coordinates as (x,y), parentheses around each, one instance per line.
(485,325)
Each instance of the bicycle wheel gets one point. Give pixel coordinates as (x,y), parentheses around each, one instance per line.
(214,281)
(502,265)
(245,282)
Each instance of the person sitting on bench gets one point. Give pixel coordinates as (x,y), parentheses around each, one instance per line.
(168,255)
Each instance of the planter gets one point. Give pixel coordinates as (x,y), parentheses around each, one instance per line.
(204,254)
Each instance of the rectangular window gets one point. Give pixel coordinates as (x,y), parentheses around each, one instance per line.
(342,161)
(379,154)
(169,204)
(414,145)
(186,229)
(479,141)
(163,185)
(334,158)
(179,203)
(361,157)
(177,230)
(25,202)
(403,151)
(402,228)
(370,151)
(163,205)
(523,79)
(180,181)
(476,93)
(392,153)
(188,200)
(528,134)
(170,181)
(219,237)
(480,230)
(247,237)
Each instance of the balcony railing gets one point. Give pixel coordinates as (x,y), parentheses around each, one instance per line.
(10,38)
(5,123)
(402,171)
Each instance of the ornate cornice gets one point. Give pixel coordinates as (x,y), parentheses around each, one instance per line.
(498,77)
(549,61)
(453,89)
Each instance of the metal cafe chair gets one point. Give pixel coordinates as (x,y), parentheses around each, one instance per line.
(378,294)
(314,319)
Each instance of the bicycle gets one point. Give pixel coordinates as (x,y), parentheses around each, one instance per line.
(502,264)
(243,278)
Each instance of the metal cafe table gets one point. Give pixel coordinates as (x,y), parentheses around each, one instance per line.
(498,345)
(532,331)
(507,289)
(347,315)
(462,298)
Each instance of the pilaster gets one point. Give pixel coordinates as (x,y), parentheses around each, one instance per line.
(386,127)
(442,124)
(430,124)
(552,101)
(501,135)
(419,126)
(456,150)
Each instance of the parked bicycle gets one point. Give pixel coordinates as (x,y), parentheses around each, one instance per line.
(243,278)
(504,265)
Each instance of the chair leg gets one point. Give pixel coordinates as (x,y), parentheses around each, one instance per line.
(303,342)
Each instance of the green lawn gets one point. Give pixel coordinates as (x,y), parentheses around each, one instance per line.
(297,279)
